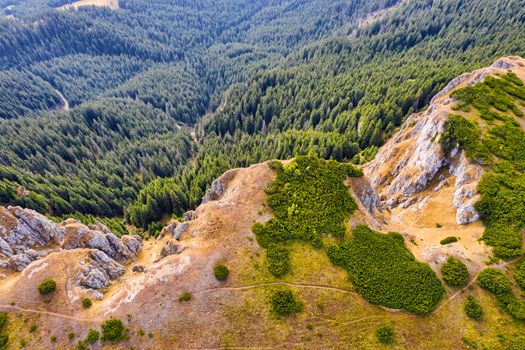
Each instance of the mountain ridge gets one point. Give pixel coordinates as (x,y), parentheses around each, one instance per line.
(233,313)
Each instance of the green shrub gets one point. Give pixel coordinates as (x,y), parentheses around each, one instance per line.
(4,339)
(519,277)
(284,302)
(113,330)
(448,240)
(454,273)
(385,334)
(278,260)
(384,271)
(3,319)
(494,281)
(71,335)
(92,336)
(473,309)
(81,346)
(32,329)
(309,201)
(186,296)
(86,303)
(47,286)
(221,272)
(53,339)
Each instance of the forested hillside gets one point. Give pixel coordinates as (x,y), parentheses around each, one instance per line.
(256,79)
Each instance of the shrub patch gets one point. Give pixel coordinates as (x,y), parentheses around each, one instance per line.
(309,201)
(454,273)
(385,272)
(284,303)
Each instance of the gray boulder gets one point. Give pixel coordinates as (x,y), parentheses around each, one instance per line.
(99,271)
(171,248)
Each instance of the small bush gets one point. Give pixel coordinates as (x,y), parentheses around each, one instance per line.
(494,281)
(473,309)
(278,260)
(113,330)
(454,273)
(47,286)
(448,240)
(81,346)
(70,335)
(86,303)
(32,329)
(186,296)
(221,272)
(92,336)
(53,339)
(284,302)
(3,319)
(385,334)
(4,339)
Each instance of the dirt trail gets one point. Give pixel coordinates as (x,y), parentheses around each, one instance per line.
(449,299)
(204,291)
(300,285)
(42,312)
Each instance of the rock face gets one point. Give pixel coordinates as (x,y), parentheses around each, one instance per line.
(26,236)
(99,270)
(101,238)
(218,187)
(28,228)
(413,159)
(171,248)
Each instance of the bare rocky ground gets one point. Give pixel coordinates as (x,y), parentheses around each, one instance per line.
(409,188)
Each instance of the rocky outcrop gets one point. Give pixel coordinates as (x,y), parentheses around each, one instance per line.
(26,236)
(28,228)
(99,270)
(171,248)
(101,238)
(465,196)
(409,161)
(218,187)
(412,159)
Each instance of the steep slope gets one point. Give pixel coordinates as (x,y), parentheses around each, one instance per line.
(413,186)
(410,187)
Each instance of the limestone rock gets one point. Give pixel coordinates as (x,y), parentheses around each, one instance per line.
(190,215)
(171,248)
(26,236)
(180,230)
(99,271)
(218,187)
(26,227)
(101,238)
(170,228)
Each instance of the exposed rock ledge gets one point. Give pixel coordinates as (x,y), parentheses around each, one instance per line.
(26,236)
(410,162)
